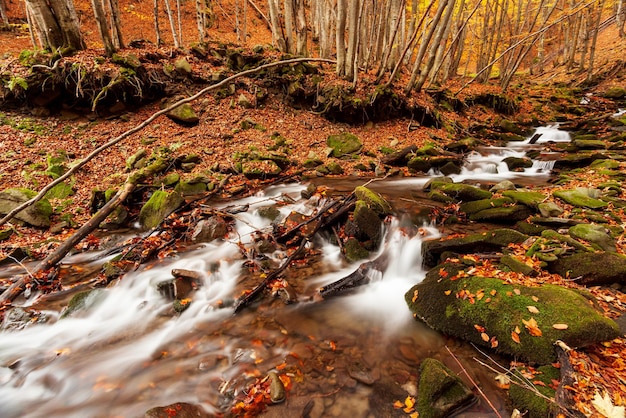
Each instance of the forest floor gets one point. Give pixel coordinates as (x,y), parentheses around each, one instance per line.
(26,140)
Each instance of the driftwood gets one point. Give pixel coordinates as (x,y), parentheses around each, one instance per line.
(366,273)
(145,123)
(535,138)
(564,398)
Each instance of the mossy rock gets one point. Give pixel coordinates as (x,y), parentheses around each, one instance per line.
(578,160)
(595,234)
(462,192)
(525,399)
(549,209)
(478,205)
(160,205)
(184,113)
(516,163)
(552,235)
(513,127)
(463,146)
(615,93)
(518,266)
(81,301)
(36,215)
(373,200)
(60,191)
(440,390)
(493,240)
(354,251)
(454,304)
(269,212)
(190,189)
(182,66)
(168,180)
(334,168)
(588,144)
(592,268)
(344,144)
(368,225)
(421,164)
(579,198)
(260,169)
(508,214)
(527,198)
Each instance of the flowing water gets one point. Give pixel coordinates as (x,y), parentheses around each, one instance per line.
(352,355)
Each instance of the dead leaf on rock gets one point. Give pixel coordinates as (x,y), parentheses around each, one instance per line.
(560,326)
(532,309)
(532,327)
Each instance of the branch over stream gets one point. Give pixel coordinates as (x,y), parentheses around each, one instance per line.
(145,123)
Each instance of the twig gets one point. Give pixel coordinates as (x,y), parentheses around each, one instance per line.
(474,383)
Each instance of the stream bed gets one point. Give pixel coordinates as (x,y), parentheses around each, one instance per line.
(353,355)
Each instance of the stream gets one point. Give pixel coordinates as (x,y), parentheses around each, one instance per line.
(352,355)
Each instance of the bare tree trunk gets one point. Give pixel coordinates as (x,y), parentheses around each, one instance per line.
(341,37)
(290,27)
(157,31)
(103,27)
(244,27)
(387,57)
(31,28)
(57,24)
(620,18)
(301,29)
(3,13)
(115,23)
(168,10)
(596,29)
(180,23)
(277,36)
(353,36)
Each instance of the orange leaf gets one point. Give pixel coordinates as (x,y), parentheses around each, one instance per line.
(415,293)
(493,292)
(494,342)
(532,327)
(447,292)
(443,273)
(515,337)
(484,336)
(479,328)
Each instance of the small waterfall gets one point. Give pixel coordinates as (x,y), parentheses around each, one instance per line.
(543,165)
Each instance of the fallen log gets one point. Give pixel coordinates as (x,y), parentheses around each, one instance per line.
(367,272)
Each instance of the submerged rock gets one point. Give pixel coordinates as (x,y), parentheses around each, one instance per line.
(440,390)
(523,322)
(462,192)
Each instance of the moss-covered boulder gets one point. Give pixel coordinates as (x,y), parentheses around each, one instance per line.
(81,301)
(343,144)
(549,209)
(493,240)
(588,144)
(518,163)
(580,197)
(367,225)
(186,188)
(524,398)
(440,390)
(595,234)
(354,250)
(160,205)
(373,200)
(502,215)
(184,113)
(260,169)
(483,204)
(462,192)
(36,215)
(528,198)
(592,268)
(615,93)
(523,322)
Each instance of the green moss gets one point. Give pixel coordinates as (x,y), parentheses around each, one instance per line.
(530,199)
(463,192)
(373,200)
(526,399)
(478,205)
(440,390)
(354,251)
(343,144)
(509,214)
(580,199)
(454,307)
(158,207)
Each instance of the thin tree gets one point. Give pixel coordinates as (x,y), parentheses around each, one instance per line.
(103,27)
(277,35)
(3,13)
(594,39)
(170,17)
(56,24)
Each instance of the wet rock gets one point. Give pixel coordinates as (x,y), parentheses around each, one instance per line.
(82,301)
(19,318)
(513,127)
(463,146)
(363,375)
(210,229)
(527,198)
(399,158)
(480,205)
(518,266)
(493,240)
(160,205)
(450,168)
(592,269)
(462,192)
(190,189)
(588,144)
(36,215)
(526,399)
(277,389)
(343,144)
(354,251)
(581,197)
(549,209)
(502,215)
(517,163)
(373,200)
(595,234)
(269,212)
(503,185)
(503,307)
(309,191)
(178,410)
(440,390)
(578,160)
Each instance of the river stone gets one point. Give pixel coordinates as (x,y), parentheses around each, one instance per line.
(82,301)
(368,224)
(462,146)
(373,200)
(493,240)
(448,302)
(580,197)
(260,169)
(508,214)
(518,266)
(190,189)
(184,114)
(512,127)
(450,168)
(589,144)
(549,209)
(528,198)
(18,318)
(183,66)
(354,251)
(478,205)
(270,212)
(503,185)
(595,234)
(343,144)
(210,229)
(440,390)
(592,269)
(578,160)
(463,192)
(178,410)
(421,164)
(615,93)
(160,205)
(399,158)
(516,163)
(36,215)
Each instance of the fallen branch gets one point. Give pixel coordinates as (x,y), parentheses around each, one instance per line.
(364,274)
(145,123)
(260,12)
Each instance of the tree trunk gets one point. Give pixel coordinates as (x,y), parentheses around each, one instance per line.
(353,37)
(620,18)
(341,36)
(3,13)
(57,24)
(157,31)
(277,36)
(103,27)
(116,24)
(301,29)
(596,29)
(290,27)
(168,10)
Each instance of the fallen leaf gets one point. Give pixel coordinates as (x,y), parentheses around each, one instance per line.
(493,292)
(535,298)
(484,336)
(532,327)
(447,292)
(517,292)
(515,337)
(517,330)
(494,342)
(504,381)
(604,405)
(479,328)
(415,294)
(560,326)
(532,309)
